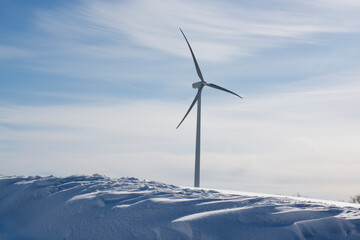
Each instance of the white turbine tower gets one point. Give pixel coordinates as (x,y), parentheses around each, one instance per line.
(199,86)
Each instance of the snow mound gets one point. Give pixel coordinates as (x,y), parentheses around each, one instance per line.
(97,207)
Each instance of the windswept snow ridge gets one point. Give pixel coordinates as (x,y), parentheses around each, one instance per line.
(97,207)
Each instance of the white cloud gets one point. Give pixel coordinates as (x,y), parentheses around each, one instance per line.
(127,41)
(335,4)
(215,26)
(218,31)
(7,52)
(278,143)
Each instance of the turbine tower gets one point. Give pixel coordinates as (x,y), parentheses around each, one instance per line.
(199,86)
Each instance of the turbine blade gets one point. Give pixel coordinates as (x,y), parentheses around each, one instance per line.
(193,56)
(191,106)
(222,89)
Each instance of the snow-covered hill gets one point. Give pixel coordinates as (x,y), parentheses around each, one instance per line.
(96,207)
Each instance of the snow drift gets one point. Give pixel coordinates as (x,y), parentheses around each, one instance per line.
(97,207)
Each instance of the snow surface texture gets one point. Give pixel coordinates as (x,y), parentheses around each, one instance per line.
(96,207)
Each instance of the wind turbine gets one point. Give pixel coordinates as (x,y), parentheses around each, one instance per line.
(199,86)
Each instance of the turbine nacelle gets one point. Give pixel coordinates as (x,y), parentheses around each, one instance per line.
(198,84)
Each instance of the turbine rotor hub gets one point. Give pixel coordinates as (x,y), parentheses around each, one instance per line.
(198,84)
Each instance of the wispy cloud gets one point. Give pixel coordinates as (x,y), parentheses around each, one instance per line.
(104,40)
(220,31)
(335,4)
(265,143)
(304,130)
(7,52)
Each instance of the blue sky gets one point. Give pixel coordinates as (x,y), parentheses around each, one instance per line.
(99,87)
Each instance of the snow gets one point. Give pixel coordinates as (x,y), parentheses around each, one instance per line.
(97,207)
